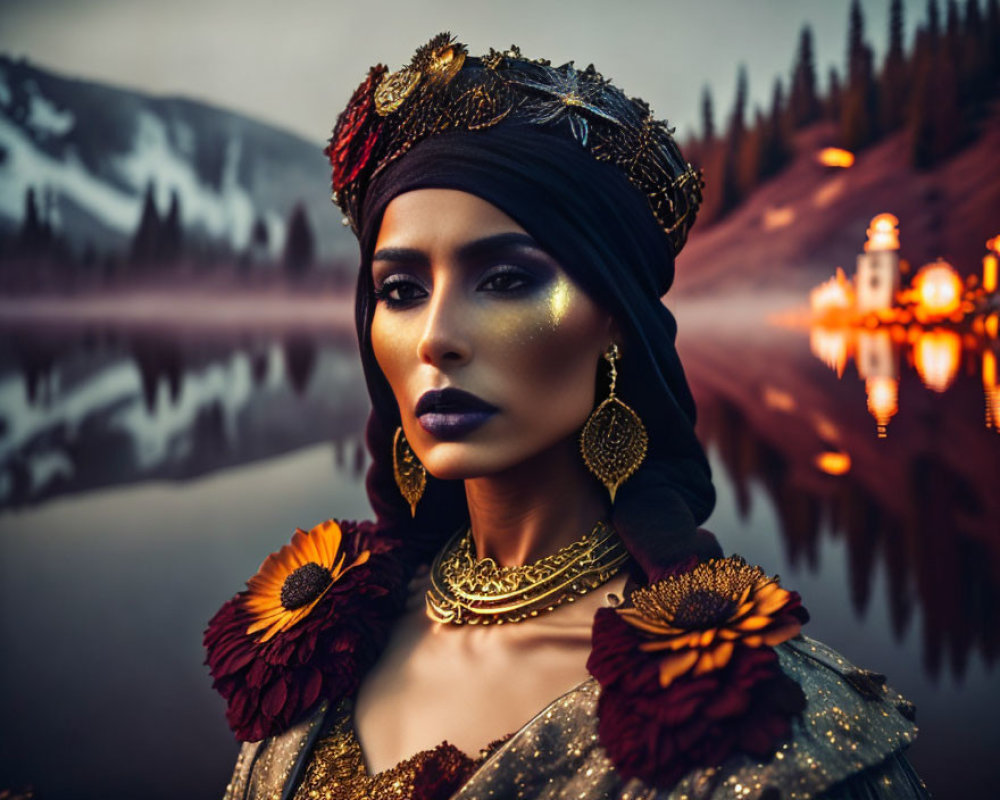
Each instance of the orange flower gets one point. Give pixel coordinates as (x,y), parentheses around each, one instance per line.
(292,581)
(700,616)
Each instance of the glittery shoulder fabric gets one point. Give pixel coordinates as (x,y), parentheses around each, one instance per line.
(270,768)
(847,745)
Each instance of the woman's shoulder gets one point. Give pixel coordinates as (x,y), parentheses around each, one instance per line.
(706,679)
(309,624)
(853,728)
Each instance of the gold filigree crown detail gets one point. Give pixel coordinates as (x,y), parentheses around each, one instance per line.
(444,89)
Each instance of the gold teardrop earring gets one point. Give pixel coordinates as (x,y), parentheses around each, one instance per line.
(410,475)
(613,442)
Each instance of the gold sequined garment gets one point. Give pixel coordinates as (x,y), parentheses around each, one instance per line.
(337,769)
(847,745)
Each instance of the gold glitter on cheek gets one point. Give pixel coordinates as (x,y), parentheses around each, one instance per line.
(523,321)
(559,300)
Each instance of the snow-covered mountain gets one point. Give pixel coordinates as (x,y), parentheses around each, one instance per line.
(89,150)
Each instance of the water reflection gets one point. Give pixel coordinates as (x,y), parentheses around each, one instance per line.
(785,412)
(933,563)
(85,409)
(936,355)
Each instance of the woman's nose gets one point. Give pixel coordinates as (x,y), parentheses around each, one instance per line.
(444,341)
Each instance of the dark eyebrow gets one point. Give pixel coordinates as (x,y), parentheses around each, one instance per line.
(467,252)
(492,244)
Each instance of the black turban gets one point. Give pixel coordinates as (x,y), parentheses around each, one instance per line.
(599,228)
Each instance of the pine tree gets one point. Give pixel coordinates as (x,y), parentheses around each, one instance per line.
(933,22)
(974,64)
(707,117)
(894,85)
(32,236)
(300,243)
(954,21)
(145,242)
(920,123)
(775,145)
(171,236)
(935,120)
(732,192)
(259,237)
(858,106)
(992,36)
(804,105)
(833,96)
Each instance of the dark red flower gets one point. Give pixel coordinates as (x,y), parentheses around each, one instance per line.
(658,730)
(356,132)
(440,773)
(270,682)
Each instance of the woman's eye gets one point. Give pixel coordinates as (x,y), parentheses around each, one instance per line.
(508,280)
(399,291)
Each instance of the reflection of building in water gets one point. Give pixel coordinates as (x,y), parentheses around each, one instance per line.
(883,401)
(936,355)
(830,346)
(876,364)
(875,355)
(991,390)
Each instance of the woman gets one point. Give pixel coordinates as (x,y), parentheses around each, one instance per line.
(576,633)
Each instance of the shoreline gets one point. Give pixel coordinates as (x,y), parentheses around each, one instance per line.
(188,308)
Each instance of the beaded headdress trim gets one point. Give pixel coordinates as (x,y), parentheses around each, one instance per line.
(445,89)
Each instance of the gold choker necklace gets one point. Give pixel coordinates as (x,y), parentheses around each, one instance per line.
(467,591)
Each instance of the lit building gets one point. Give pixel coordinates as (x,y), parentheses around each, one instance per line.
(876,280)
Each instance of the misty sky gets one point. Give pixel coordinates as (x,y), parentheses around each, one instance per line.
(295,63)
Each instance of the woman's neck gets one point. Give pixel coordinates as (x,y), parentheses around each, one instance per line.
(532,510)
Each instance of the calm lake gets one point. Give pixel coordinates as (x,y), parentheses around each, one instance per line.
(146,473)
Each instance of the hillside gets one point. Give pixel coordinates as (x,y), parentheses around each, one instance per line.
(89,150)
(795,229)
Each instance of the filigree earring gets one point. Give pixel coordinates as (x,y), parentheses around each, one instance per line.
(613,442)
(410,475)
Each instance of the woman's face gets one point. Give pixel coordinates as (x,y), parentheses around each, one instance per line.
(490,349)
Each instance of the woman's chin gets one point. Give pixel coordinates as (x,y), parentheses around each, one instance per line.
(459,461)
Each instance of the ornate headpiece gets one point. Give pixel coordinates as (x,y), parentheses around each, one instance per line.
(445,89)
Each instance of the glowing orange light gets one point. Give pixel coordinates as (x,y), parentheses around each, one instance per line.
(779,400)
(833,463)
(835,157)
(830,347)
(883,401)
(938,289)
(992,325)
(936,356)
(991,390)
(990,272)
(883,233)
(777,217)
(834,295)
(994,244)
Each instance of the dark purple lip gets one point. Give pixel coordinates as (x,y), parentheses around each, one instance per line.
(450,414)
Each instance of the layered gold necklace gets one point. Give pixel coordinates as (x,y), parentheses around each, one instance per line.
(466,590)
